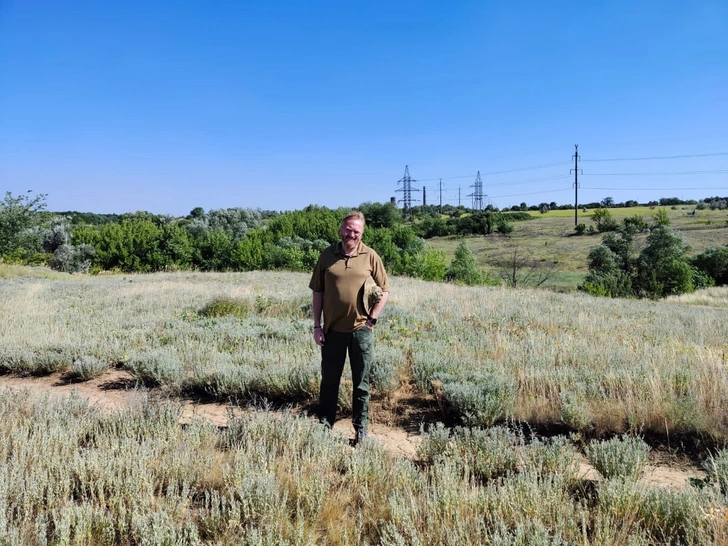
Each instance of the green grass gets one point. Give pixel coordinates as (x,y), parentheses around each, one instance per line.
(549,240)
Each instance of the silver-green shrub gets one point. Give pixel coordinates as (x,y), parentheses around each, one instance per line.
(88,367)
(551,456)
(387,361)
(717,468)
(482,453)
(480,399)
(623,457)
(157,367)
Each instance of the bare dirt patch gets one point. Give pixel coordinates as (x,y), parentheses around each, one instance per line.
(396,423)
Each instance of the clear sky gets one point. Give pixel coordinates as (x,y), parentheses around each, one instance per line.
(164,106)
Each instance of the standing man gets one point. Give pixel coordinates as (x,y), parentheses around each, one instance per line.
(338,288)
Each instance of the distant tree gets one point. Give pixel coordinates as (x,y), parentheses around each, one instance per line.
(662,269)
(463,268)
(197,212)
(380,214)
(604,220)
(660,218)
(607,202)
(714,263)
(18,215)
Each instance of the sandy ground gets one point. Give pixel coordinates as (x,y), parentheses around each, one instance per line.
(115,389)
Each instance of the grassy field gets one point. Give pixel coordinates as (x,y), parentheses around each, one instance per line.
(549,239)
(500,364)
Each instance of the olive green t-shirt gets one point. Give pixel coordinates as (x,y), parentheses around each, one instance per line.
(341,280)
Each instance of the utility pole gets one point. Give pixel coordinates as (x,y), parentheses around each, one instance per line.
(576,170)
(406,189)
(441,195)
(458,196)
(424,196)
(477,194)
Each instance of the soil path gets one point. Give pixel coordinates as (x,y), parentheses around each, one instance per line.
(115,389)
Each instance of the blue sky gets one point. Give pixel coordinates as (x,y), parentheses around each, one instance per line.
(165,106)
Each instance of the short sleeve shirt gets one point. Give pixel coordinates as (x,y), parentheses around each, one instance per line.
(341,280)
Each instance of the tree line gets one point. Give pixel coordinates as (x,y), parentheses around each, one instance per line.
(233,239)
(243,239)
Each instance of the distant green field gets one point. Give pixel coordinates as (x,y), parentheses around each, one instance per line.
(550,239)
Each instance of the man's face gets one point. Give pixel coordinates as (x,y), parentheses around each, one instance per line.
(350,233)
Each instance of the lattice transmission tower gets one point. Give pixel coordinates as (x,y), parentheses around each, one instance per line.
(406,188)
(477,194)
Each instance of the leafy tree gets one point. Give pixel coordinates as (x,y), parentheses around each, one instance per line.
(249,252)
(607,202)
(662,269)
(714,263)
(604,220)
(234,221)
(197,212)
(660,218)
(606,277)
(463,268)
(213,251)
(380,215)
(18,215)
(72,259)
(429,265)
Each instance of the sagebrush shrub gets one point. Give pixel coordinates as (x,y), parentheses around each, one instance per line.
(88,367)
(623,457)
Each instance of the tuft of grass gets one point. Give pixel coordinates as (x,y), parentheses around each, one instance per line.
(224,307)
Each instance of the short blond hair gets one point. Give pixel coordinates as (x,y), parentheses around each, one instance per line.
(355,215)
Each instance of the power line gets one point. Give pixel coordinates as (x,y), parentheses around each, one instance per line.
(652,189)
(668,173)
(716,154)
(531,193)
(518,169)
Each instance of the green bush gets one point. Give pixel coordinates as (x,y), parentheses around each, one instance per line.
(222,307)
(713,262)
(463,268)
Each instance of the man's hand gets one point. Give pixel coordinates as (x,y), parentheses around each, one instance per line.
(318,336)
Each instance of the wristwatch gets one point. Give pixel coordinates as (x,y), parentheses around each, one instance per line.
(372,320)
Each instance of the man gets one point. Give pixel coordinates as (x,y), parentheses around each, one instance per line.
(338,285)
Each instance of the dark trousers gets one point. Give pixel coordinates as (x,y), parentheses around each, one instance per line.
(360,347)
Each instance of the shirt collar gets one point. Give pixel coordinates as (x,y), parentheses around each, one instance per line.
(361,249)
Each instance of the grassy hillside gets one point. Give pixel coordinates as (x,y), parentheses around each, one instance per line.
(549,239)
